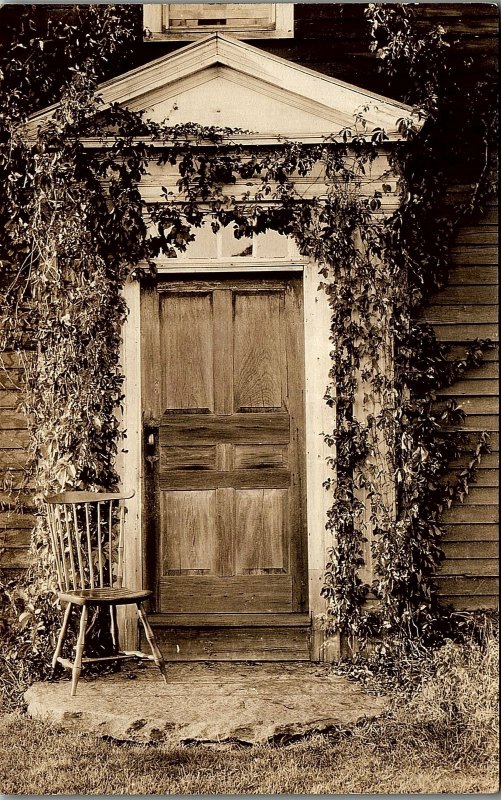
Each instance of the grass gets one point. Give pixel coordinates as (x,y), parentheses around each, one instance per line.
(376,758)
(443,739)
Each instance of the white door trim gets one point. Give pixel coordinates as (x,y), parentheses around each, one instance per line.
(319,419)
(130,461)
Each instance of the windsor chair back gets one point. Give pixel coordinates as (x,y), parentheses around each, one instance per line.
(87,540)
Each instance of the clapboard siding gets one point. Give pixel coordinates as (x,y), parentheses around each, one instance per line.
(466,310)
(15,500)
(465,550)
(477,275)
(464,533)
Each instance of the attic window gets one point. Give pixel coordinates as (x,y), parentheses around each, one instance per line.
(189,21)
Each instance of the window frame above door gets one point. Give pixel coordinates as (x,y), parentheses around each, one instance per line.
(156,25)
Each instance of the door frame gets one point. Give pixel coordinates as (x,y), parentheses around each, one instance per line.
(319,419)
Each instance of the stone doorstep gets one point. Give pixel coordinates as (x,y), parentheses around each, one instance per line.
(207,703)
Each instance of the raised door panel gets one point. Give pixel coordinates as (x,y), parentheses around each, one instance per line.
(189,543)
(247,456)
(259,362)
(261,528)
(186,342)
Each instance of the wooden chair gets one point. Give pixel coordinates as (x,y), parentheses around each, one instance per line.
(87,539)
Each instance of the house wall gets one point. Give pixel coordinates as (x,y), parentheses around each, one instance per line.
(462,312)
(16,521)
(466,310)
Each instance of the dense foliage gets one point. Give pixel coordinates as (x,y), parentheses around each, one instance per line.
(39,52)
(75,226)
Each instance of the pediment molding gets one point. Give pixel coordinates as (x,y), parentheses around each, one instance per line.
(250,70)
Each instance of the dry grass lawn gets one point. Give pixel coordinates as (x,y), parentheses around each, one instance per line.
(378,757)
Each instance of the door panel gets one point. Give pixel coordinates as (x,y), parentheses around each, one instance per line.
(261,523)
(270,594)
(186,328)
(258,351)
(188,533)
(229,484)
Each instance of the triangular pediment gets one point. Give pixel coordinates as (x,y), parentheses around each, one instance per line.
(225,82)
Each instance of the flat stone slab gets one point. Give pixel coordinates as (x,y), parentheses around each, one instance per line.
(207,702)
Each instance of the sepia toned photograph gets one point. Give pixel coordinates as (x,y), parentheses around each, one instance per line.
(249,398)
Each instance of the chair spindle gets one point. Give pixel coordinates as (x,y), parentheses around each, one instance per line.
(56,552)
(110,542)
(89,545)
(66,513)
(79,547)
(120,550)
(100,546)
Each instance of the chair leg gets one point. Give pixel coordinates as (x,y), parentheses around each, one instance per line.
(61,637)
(77,664)
(114,628)
(157,655)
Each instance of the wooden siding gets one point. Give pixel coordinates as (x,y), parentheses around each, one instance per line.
(466,310)
(16,517)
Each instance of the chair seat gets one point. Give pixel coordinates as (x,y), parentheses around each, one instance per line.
(107,596)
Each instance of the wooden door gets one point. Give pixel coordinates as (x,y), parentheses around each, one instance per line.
(229,477)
